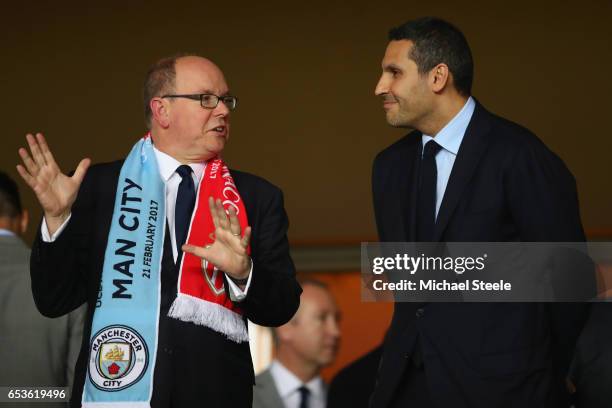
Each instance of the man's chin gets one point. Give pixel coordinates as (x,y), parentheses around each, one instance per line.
(397,123)
(327,357)
(215,149)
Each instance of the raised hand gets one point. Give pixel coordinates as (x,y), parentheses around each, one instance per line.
(229,251)
(54,190)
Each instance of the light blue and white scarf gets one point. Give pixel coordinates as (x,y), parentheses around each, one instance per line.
(123,342)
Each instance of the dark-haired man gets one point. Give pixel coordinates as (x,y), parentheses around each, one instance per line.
(467,175)
(159,246)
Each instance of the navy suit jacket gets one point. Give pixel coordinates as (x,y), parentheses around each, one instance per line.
(505,185)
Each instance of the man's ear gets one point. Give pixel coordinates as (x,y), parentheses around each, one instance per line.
(25,220)
(439,78)
(283,333)
(160,112)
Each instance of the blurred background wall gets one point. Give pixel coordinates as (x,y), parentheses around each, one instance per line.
(305,74)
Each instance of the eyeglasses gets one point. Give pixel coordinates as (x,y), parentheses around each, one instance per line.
(209,101)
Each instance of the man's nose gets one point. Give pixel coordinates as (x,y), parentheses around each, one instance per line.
(221,109)
(382,87)
(333,328)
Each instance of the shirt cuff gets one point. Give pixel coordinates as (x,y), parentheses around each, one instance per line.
(237,294)
(44,231)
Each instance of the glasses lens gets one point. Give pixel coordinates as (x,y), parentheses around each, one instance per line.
(209,101)
(230,102)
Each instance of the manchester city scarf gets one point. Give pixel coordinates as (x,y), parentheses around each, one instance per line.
(123,344)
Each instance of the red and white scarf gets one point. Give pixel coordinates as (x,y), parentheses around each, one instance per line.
(201,297)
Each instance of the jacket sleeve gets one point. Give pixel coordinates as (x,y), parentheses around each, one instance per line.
(544,205)
(274,294)
(58,269)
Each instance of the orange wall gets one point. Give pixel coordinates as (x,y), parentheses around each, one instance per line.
(363,324)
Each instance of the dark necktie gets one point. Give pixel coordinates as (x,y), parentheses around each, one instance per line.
(426,213)
(185,200)
(304,396)
(426,205)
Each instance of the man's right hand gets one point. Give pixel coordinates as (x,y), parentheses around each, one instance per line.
(55,191)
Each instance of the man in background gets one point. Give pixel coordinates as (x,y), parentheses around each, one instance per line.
(304,346)
(34,350)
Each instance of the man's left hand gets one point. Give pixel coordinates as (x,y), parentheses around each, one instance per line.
(229,251)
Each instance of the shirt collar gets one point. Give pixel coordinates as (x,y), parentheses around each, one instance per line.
(6,233)
(168,165)
(287,383)
(451,135)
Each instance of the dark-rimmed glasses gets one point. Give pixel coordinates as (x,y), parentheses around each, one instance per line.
(209,101)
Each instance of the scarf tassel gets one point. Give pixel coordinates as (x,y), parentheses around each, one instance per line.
(204,313)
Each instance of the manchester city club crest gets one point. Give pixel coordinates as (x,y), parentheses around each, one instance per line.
(118,358)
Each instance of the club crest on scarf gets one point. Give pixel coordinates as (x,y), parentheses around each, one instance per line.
(119,357)
(214,279)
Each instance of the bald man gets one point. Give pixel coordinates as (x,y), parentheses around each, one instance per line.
(304,346)
(170,249)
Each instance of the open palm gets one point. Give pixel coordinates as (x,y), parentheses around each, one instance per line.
(55,191)
(229,250)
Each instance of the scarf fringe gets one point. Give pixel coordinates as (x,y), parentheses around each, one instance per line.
(204,313)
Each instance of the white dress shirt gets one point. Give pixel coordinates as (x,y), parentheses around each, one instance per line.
(167,170)
(288,386)
(449,138)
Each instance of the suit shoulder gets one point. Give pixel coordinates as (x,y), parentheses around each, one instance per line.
(264,375)
(250,181)
(105,169)
(512,134)
(403,144)
(521,143)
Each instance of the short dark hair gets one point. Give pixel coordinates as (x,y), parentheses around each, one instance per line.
(160,79)
(437,41)
(10,203)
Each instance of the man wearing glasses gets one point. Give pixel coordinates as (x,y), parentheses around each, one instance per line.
(159,246)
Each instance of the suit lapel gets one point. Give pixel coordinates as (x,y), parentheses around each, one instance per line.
(470,152)
(414,178)
(407,188)
(270,397)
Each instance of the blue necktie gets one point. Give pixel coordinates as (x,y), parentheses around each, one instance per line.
(185,200)
(304,395)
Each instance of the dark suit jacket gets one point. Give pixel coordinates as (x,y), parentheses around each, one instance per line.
(353,385)
(194,364)
(592,365)
(505,185)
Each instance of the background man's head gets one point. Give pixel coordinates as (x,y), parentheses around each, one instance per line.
(310,340)
(182,127)
(426,60)
(12,216)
